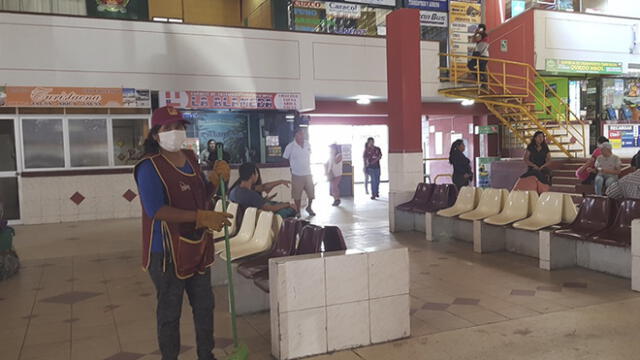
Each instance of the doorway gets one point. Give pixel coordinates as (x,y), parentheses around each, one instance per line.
(9,171)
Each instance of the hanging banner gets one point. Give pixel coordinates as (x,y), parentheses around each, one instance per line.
(583,67)
(434,18)
(118,9)
(428,5)
(464,18)
(230,100)
(29,96)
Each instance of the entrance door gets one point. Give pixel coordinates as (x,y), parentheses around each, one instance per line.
(9,194)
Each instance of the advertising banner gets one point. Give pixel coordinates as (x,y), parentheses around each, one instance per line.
(391,3)
(136,98)
(230,100)
(337,18)
(487,129)
(231,129)
(583,67)
(118,9)
(31,96)
(623,136)
(464,18)
(434,18)
(483,171)
(428,5)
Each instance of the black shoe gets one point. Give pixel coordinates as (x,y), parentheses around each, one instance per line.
(336,203)
(377,195)
(373,197)
(310,212)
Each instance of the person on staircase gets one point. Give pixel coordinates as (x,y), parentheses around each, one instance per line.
(608,167)
(538,158)
(481,50)
(462,173)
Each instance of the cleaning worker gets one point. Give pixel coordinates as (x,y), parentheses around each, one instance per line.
(177,244)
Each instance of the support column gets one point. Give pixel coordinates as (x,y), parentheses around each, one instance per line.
(405,105)
(494,14)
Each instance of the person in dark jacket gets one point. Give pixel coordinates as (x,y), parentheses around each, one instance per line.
(462,174)
(538,158)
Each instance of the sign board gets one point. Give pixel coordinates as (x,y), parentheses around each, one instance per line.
(434,18)
(583,67)
(230,100)
(35,96)
(518,7)
(487,129)
(623,136)
(483,171)
(376,2)
(464,18)
(428,5)
(504,45)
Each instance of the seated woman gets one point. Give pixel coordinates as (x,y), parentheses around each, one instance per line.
(586,172)
(538,158)
(246,195)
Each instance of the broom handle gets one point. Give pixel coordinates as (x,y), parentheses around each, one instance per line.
(227,246)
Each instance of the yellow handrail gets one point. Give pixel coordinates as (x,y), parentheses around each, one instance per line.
(558,111)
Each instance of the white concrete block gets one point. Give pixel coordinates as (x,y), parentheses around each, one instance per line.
(389,318)
(388,273)
(301,284)
(347,278)
(274,309)
(635,273)
(348,326)
(477,236)
(303,333)
(395,199)
(545,245)
(428,226)
(635,237)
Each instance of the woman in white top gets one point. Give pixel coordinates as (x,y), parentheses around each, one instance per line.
(333,169)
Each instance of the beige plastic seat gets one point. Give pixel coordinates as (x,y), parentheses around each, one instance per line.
(549,211)
(569,211)
(261,240)
(246,230)
(467,200)
(519,205)
(233,210)
(490,204)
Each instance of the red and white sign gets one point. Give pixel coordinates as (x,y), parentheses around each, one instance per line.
(230,100)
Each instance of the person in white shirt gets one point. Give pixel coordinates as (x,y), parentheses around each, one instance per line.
(333,169)
(298,152)
(608,167)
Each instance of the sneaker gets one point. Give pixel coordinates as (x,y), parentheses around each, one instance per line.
(373,197)
(336,203)
(377,195)
(311,212)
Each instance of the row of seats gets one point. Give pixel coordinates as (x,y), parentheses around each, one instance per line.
(430,198)
(604,220)
(525,209)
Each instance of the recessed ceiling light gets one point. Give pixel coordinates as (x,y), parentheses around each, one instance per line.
(467,102)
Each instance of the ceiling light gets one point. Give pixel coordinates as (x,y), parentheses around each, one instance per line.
(363,100)
(467,102)
(161,19)
(172,20)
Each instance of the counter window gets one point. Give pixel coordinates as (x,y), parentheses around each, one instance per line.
(88,144)
(43,143)
(128,137)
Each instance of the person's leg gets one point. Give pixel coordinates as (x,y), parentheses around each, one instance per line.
(202,303)
(309,189)
(598,182)
(375,182)
(483,68)
(169,290)
(609,180)
(297,186)
(366,181)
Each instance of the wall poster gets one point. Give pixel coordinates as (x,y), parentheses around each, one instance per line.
(464,18)
(337,18)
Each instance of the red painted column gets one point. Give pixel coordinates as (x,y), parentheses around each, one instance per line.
(494,13)
(403,81)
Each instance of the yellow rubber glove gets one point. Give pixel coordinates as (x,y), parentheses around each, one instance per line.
(212,219)
(221,170)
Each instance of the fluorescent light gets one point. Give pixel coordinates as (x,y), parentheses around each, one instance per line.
(161,19)
(467,102)
(363,99)
(171,20)
(290,116)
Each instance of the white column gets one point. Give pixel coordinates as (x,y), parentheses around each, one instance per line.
(405,173)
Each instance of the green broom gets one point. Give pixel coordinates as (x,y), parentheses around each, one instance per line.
(240,351)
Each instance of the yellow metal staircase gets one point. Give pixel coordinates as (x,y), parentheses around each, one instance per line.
(521,99)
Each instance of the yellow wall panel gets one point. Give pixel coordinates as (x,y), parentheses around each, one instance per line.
(261,17)
(212,12)
(165,8)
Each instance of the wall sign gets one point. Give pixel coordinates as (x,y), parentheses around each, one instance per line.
(504,45)
(434,18)
(118,9)
(464,18)
(337,18)
(230,100)
(375,2)
(583,67)
(35,96)
(428,5)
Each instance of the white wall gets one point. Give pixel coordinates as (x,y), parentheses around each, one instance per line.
(66,51)
(573,36)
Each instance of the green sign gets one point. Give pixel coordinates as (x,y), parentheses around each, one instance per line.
(487,129)
(583,67)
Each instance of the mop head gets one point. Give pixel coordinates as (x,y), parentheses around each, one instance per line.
(239,353)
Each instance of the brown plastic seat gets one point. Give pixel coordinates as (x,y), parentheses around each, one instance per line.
(596,214)
(619,233)
(333,239)
(421,197)
(310,240)
(285,245)
(444,196)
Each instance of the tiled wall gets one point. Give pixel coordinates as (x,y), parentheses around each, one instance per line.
(94,197)
(324,303)
(77,198)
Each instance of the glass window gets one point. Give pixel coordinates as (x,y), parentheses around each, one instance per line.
(88,142)
(43,143)
(7,146)
(128,137)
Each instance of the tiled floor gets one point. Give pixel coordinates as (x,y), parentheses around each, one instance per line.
(81,295)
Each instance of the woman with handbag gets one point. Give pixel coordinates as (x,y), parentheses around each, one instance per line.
(333,170)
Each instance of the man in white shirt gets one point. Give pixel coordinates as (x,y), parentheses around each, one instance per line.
(608,167)
(298,152)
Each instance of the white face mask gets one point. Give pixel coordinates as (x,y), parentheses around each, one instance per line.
(172,140)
